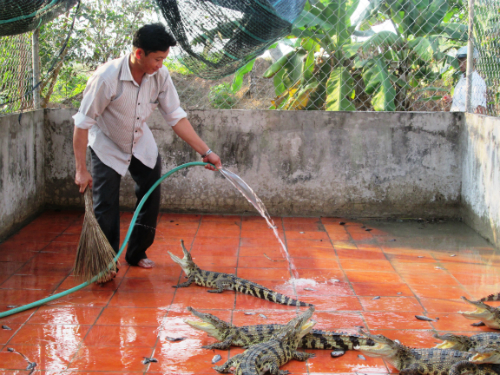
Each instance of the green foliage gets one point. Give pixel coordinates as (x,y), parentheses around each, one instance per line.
(387,66)
(221,96)
(240,73)
(174,65)
(103,31)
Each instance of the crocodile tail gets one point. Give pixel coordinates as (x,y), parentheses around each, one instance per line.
(256,290)
(491,297)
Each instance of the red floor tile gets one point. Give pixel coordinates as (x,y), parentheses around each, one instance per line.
(263,274)
(456,322)
(442,305)
(199,298)
(360,265)
(339,268)
(326,288)
(75,315)
(69,336)
(394,320)
(84,298)
(32,282)
(50,356)
(374,277)
(396,304)
(7,331)
(334,303)
(382,289)
(411,338)
(115,359)
(121,336)
(439,291)
(130,299)
(264,262)
(198,361)
(359,254)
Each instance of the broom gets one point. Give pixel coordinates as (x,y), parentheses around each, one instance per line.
(94,255)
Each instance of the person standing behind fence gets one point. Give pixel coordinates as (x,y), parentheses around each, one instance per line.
(478,92)
(118,99)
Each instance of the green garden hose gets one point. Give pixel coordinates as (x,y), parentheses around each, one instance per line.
(129,232)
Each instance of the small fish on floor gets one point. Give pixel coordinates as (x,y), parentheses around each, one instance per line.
(425,318)
(216,358)
(147,360)
(6,327)
(175,339)
(263,316)
(337,353)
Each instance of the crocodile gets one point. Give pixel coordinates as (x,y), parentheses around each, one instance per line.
(269,356)
(410,361)
(485,361)
(225,281)
(465,343)
(491,297)
(489,315)
(246,336)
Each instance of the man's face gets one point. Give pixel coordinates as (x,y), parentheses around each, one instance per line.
(463,64)
(152,62)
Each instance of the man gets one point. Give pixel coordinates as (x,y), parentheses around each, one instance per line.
(478,92)
(118,99)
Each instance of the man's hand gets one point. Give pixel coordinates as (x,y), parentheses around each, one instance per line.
(214,159)
(83,179)
(480,110)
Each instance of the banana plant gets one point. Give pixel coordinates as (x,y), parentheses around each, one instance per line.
(327,65)
(397,65)
(315,75)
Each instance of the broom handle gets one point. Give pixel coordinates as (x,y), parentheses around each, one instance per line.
(129,232)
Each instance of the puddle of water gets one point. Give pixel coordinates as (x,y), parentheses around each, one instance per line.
(250,195)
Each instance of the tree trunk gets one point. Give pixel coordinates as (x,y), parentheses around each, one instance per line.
(53,79)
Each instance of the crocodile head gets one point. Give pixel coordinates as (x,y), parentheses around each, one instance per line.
(487,314)
(451,341)
(486,354)
(296,328)
(187,264)
(210,324)
(384,347)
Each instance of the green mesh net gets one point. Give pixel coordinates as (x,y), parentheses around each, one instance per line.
(220,36)
(20,16)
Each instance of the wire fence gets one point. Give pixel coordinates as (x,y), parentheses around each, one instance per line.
(486,39)
(16,73)
(354,55)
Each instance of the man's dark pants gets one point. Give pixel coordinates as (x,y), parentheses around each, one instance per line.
(106,194)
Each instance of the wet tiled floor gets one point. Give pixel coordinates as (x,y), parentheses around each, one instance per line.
(415,268)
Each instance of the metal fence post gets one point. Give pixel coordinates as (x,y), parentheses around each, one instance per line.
(36,68)
(470,59)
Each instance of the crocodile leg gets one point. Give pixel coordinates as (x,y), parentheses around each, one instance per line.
(414,369)
(226,344)
(303,356)
(269,364)
(221,285)
(459,367)
(184,284)
(226,367)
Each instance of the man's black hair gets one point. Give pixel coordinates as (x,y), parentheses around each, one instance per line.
(152,38)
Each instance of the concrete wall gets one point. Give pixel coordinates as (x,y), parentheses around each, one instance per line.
(22,179)
(481,175)
(299,163)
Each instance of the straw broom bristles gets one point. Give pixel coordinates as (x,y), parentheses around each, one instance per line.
(94,253)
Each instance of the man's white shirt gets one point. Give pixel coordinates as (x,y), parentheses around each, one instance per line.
(115,109)
(478,93)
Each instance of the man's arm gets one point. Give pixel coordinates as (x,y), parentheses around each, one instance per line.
(185,130)
(82,176)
